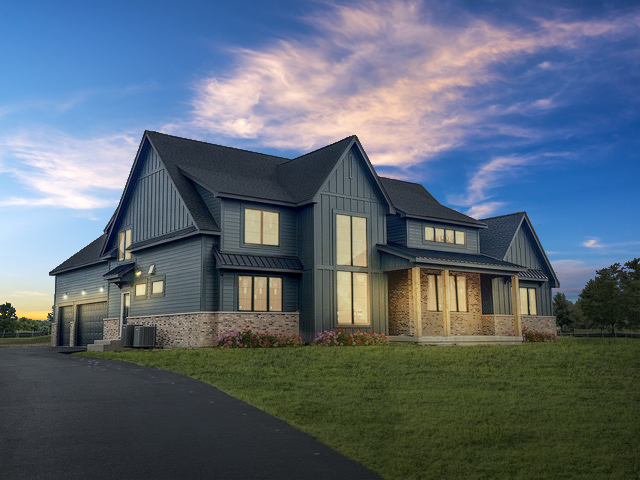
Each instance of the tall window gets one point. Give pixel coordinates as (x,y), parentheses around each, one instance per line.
(457,293)
(353,298)
(528,301)
(261,227)
(351,236)
(124,242)
(260,294)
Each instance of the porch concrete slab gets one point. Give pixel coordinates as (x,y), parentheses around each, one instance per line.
(458,340)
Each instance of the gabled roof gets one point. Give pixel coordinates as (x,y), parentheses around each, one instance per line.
(438,257)
(89,255)
(498,237)
(415,201)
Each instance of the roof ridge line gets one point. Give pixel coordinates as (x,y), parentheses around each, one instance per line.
(316,150)
(218,145)
(505,215)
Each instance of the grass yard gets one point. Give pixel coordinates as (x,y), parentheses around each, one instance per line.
(569,409)
(43,341)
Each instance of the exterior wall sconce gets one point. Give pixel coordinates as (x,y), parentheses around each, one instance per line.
(84,292)
(138,273)
(102,289)
(152,269)
(65,296)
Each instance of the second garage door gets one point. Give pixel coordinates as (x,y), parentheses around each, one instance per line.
(89,327)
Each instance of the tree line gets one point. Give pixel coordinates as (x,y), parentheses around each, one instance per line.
(610,301)
(10,323)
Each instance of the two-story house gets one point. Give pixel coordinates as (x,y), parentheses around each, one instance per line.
(209,239)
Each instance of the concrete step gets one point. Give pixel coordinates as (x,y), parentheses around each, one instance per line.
(105,346)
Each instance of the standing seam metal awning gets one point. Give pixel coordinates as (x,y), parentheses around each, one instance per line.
(240,261)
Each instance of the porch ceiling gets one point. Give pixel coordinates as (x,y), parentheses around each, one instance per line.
(437,258)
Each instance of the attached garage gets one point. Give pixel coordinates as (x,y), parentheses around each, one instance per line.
(64,326)
(90,326)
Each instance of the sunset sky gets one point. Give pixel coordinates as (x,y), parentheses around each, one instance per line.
(494,109)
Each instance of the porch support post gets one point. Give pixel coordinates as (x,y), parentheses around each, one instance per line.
(415,310)
(446,312)
(515,302)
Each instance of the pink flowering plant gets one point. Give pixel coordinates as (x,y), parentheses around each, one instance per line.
(537,336)
(249,339)
(340,338)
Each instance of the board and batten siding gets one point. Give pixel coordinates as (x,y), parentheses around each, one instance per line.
(415,229)
(88,279)
(154,207)
(348,190)
(233,229)
(179,264)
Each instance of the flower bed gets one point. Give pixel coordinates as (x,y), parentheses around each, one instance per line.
(249,339)
(537,336)
(340,338)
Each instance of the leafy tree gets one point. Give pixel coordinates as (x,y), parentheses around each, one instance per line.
(562,310)
(50,314)
(602,299)
(630,292)
(578,318)
(8,318)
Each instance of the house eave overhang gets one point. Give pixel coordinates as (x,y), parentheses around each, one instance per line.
(55,272)
(442,220)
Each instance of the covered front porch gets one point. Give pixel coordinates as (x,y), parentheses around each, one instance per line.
(441,301)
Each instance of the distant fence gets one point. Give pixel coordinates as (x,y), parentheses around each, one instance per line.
(23,334)
(599,335)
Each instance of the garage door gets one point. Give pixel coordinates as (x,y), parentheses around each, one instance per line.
(89,327)
(64,326)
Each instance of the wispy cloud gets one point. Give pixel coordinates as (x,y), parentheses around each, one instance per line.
(595,243)
(386,71)
(574,275)
(28,294)
(64,171)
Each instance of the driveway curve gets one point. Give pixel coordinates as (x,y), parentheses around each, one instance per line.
(63,416)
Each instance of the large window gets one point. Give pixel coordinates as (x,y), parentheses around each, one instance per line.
(124,242)
(351,236)
(441,235)
(260,294)
(457,293)
(353,298)
(528,301)
(261,227)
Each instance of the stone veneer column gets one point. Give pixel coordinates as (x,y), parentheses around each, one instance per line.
(416,303)
(446,330)
(515,302)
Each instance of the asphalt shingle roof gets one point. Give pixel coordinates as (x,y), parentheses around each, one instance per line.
(424,255)
(171,235)
(495,240)
(414,200)
(87,256)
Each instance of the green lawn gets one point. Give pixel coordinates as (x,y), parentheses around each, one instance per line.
(569,409)
(41,341)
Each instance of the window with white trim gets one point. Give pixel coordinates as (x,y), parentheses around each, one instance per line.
(259,293)
(261,227)
(528,304)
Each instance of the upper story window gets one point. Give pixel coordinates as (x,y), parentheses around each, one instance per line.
(528,301)
(261,227)
(457,293)
(351,239)
(261,294)
(124,242)
(433,234)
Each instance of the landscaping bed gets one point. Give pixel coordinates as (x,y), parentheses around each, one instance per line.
(541,410)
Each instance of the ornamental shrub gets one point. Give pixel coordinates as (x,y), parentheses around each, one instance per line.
(537,336)
(340,338)
(249,339)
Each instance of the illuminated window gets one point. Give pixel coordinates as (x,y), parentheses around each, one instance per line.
(450,234)
(157,287)
(261,227)
(439,234)
(528,301)
(353,298)
(351,240)
(260,294)
(460,237)
(124,242)
(457,293)
(141,289)
(429,234)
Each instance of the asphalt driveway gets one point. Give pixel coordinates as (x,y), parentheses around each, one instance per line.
(67,417)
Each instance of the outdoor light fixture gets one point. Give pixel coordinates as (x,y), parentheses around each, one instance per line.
(152,269)
(65,296)
(138,273)
(84,292)
(102,289)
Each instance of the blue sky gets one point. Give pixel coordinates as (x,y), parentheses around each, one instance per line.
(494,108)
